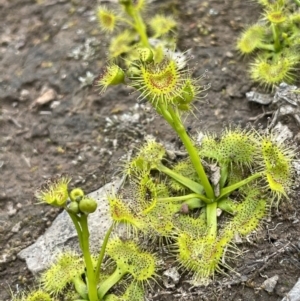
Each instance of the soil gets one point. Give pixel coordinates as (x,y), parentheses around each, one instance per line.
(49,46)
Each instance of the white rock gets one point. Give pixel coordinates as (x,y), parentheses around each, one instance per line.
(294,293)
(270,283)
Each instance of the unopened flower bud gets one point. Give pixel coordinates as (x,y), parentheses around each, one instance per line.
(73,207)
(133,72)
(146,54)
(87,205)
(76,194)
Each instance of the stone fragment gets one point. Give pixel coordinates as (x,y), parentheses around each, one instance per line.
(46,96)
(294,293)
(270,283)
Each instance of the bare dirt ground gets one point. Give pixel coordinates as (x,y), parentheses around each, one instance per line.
(53,48)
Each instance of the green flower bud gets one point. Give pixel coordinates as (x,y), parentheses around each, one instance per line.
(73,207)
(133,71)
(76,194)
(87,205)
(146,54)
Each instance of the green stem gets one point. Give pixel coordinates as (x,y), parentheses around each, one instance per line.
(162,110)
(91,277)
(194,203)
(108,283)
(126,21)
(194,186)
(193,154)
(224,174)
(297,2)
(139,24)
(102,252)
(75,221)
(211,219)
(275,31)
(227,190)
(184,197)
(266,47)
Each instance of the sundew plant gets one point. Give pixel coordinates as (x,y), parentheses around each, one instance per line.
(223,187)
(197,204)
(128,30)
(274,43)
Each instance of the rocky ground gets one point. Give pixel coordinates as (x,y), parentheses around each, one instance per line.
(52,121)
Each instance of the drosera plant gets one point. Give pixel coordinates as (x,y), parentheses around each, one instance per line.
(131,31)
(88,277)
(273,41)
(224,186)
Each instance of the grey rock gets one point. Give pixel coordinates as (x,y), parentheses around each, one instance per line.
(269,284)
(62,234)
(263,99)
(294,293)
(171,277)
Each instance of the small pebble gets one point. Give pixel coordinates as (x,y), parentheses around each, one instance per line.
(16,228)
(269,284)
(229,54)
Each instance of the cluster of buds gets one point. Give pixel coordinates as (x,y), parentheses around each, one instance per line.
(81,203)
